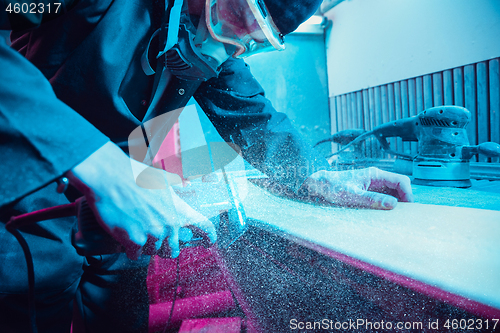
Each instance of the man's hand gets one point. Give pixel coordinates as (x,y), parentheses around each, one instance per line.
(363,188)
(131,213)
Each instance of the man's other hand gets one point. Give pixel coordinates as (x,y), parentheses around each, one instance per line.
(362,188)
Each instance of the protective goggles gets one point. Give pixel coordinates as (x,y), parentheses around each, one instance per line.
(245,24)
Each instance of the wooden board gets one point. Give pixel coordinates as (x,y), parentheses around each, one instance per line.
(455,249)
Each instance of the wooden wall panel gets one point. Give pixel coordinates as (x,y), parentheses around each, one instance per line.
(458,86)
(398,110)
(371,106)
(405,111)
(437,89)
(349,111)
(412,109)
(345,116)
(448,87)
(333,121)
(475,87)
(419,88)
(384,109)
(428,103)
(482,105)
(366,119)
(338,104)
(494,87)
(384,104)
(359,110)
(354,111)
(392,112)
(470,101)
(377,152)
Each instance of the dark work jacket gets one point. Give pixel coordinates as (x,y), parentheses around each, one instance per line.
(90,55)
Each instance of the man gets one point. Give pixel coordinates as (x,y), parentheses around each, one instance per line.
(67,108)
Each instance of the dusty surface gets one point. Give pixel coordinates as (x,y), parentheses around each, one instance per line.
(456,249)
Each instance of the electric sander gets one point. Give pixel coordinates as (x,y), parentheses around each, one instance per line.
(444,152)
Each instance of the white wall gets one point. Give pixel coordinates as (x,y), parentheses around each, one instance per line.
(295,81)
(373,42)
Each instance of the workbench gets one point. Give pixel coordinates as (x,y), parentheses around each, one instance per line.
(437,259)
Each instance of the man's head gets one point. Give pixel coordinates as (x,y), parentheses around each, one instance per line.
(253,26)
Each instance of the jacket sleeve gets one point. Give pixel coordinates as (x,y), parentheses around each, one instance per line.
(40,137)
(235,103)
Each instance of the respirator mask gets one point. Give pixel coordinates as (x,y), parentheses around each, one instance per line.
(195,55)
(237,28)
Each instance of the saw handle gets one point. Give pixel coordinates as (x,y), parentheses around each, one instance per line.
(403,128)
(490,149)
(91,239)
(19,221)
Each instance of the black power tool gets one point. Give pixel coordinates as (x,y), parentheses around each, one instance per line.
(91,239)
(345,137)
(444,151)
